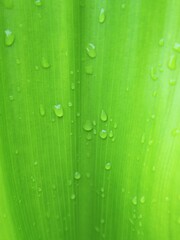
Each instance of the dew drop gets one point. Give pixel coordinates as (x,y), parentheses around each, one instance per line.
(45,63)
(89,136)
(172,82)
(134,200)
(175,132)
(58,110)
(42,110)
(103,134)
(89,70)
(115,125)
(111,134)
(77,175)
(161,42)
(108,166)
(143,139)
(9,38)
(11,98)
(88,125)
(153,73)
(91,50)
(102,15)
(69,104)
(142,200)
(38,3)
(172,62)
(104,116)
(177,47)
(72,86)
(73,196)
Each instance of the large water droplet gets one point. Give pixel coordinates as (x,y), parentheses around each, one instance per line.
(104,116)
(88,125)
(58,110)
(103,134)
(41,110)
(45,63)
(177,47)
(102,15)
(91,50)
(77,175)
(108,166)
(172,62)
(9,38)
(38,3)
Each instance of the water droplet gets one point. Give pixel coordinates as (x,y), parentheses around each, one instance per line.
(143,139)
(104,116)
(172,82)
(91,50)
(73,196)
(150,142)
(72,86)
(78,114)
(35,163)
(11,98)
(102,221)
(69,104)
(134,200)
(153,73)
(89,136)
(45,63)
(175,132)
(77,175)
(88,125)
(16,152)
(102,15)
(115,125)
(89,70)
(108,166)
(9,38)
(177,47)
(58,110)
(41,110)
(111,134)
(18,61)
(172,62)
(153,116)
(142,200)
(38,3)
(103,134)
(161,42)
(8,4)
(123,6)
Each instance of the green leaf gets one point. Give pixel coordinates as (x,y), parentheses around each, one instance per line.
(89,120)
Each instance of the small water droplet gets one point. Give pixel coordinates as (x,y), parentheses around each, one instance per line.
(38,3)
(69,104)
(172,82)
(103,134)
(153,116)
(175,132)
(102,15)
(153,73)
(35,163)
(161,42)
(89,70)
(45,63)
(11,98)
(172,62)
(78,114)
(77,175)
(102,221)
(58,110)
(150,142)
(143,139)
(42,110)
(104,116)
(73,196)
(16,152)
(91,50)
(177,47)
(88,125)
(89,136)
(111,134)
(134,200)
(18,61)
(9,37)
(108,166)
(142,200)
(123,6)
(115,125)
(72,86)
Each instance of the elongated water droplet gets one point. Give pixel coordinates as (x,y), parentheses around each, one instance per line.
(45,63)
(153,73)
(161,42)
(88,125)
(41,110)
(143,139)
(77,175)
(172,62)
(58,110)
(108,166)
(91,50)
(72,86)
(38,3)
(172,82)
(134,200)
(103,134)
(142,200)
(177,47)
(111,134)
(104,116)
(102,15)
(9,38)
(89,70)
